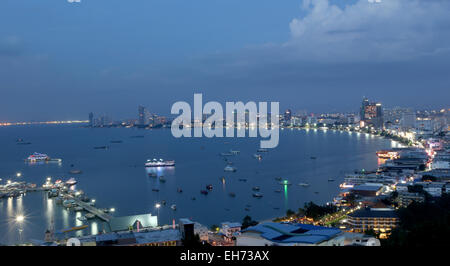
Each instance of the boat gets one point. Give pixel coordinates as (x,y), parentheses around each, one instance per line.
(313,157)
(71,181)
(82,218)
(68,203)
(234,152)
(229,169)
(159,163)
(193,198)
(257,195)
(53,193)
(75,172)
(331,179)
(204,192)
(226,154)
(173,207)
(116,141)
(38,157)
(255,188)
(285,183)
(179,190)
(152,175)
(303,184)
(257,156)
(388,154)
(209,187)
(231,194)
(101,147)
(155,189)
(90,216)
(262,150)
(78,208)
(105,210)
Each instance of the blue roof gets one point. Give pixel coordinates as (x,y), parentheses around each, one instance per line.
(294,233)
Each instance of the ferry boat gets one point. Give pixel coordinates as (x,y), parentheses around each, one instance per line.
(159,163)
(38,157)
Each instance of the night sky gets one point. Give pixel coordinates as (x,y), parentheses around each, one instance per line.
(61,60)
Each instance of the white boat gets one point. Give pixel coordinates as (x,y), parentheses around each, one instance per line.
(257,195)
(71,181)
(38,157)
(90,216)
(82,218)
(303,184)
(159,163)
(257,156)
(173,207)
(229,168)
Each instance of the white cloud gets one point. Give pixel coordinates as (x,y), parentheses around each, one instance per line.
(371,30)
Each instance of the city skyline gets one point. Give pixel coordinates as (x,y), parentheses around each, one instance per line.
(70,62)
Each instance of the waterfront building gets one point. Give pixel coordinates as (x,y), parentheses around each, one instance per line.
(133,222)
(380,220)
(230,231)
(371,190)
(371,114)
(289,234)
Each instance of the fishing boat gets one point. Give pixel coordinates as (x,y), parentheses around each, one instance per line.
(255,188)
(173,207)
(303,184)
(257,195)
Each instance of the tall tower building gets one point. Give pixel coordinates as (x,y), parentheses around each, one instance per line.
(91,119)
(141,115)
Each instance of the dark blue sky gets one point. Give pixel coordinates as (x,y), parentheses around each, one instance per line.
(60,60)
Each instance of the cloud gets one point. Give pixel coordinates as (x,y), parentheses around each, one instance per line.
(371,30)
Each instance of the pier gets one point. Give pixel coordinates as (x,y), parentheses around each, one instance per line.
(97,212)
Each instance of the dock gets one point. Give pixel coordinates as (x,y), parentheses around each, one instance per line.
(97,212)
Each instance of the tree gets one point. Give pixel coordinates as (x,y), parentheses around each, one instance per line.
(289,213)
(247,222)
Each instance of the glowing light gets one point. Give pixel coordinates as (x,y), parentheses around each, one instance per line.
(19,174)
(20,218)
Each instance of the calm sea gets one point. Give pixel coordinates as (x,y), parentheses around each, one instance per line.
(116,177)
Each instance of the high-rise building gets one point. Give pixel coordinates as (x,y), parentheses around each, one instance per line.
(91,119)
(372,113)
(287,115)
(141,115)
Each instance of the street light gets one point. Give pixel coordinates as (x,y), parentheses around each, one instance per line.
(20,218)
(19,174)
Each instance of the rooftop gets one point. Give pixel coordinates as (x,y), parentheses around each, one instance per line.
(294,233)
(374,213)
